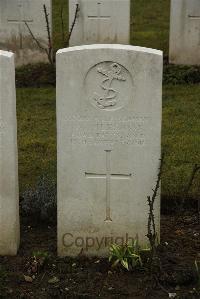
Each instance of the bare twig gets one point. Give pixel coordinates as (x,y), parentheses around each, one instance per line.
(50,48)
(62,22)
(42,277)
(34,38)
(160,285)
(195,170)
(151,227)
(73,23)
(185,194)
(199,210)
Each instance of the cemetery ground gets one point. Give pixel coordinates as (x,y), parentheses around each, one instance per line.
(54,277)
(37,272)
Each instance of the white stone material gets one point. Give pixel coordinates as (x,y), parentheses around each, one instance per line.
(9,199)
(109,135)
(14,34)
(185,32)
(100,21)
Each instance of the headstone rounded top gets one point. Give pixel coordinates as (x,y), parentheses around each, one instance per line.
(111,46)
(6,53)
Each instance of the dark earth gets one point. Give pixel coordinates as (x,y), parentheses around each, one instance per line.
(48,276)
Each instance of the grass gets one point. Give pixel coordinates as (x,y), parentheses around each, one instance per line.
(36,134)
(180,139)
(150,24)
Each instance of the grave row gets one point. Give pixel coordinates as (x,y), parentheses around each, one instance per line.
(109,103)
(97,22)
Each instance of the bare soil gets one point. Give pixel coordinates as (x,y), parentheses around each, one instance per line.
(95,278)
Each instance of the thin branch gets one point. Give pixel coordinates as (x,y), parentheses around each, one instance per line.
(34,38)
(48,50)
(47,25)
(151,227)
(62,22)
(199,210)
(73,23)
(49,34)
(195,170)
(160,285)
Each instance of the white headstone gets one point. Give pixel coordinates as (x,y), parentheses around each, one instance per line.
(109,127)
(14,34)
(185,32)
(100,21)
(9,199)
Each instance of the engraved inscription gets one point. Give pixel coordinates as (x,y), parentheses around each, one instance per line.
(107,132)
(108,176)
(109,96)
(108,86)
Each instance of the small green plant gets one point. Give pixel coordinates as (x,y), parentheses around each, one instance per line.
(129,256)
(37,262)
(40,259)
(41,255)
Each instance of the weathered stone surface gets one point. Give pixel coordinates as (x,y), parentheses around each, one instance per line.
(109,135)
(14,34)
(100,22)
(9,199)
(185,32)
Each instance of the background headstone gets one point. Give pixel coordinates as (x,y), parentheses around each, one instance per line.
(14,34)
(185,32)
(100,22)
(9,199)
(109,135)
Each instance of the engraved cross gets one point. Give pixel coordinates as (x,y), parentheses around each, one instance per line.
(20,19)
(195,18)
(108,176)
(98,17)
